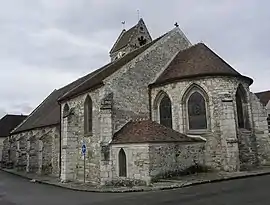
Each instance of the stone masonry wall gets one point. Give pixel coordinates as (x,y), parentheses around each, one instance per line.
(248,156)
(221,135)
(173,158)
(130,84)
(137,157)
(5,152)
(260,130)
(130,99)
(73,136)
(1,147)
(26,150)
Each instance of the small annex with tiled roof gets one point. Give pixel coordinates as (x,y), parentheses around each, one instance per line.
(157,150)
(147,131)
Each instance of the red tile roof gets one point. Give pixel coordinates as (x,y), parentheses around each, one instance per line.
(196,61)
(148,131)
(264,97)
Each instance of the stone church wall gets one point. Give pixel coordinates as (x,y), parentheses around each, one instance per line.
(1,146)
(73,136)
(137,157)
(173,158)
(26,151)
(222,151)
(260,130)
(130,100)
(130,84)
(5,152)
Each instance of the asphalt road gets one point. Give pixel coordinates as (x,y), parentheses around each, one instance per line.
(256,191)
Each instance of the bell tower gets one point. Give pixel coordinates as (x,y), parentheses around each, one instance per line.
(129,40)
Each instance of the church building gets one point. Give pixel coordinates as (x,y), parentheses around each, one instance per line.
(158,108)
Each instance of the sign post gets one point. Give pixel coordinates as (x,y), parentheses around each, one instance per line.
(83,152)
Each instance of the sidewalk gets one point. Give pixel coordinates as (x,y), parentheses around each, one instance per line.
(184,181)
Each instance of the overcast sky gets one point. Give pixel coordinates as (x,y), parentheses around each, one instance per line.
(44,44)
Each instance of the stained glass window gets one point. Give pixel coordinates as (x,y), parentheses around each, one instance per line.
(165,111)
(197,112)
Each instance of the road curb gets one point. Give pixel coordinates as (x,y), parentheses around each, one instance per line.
(142,189)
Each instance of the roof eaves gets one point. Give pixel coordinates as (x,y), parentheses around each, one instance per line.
(69,94)
(68,97)
(38,127)
(158,141)
(177,79)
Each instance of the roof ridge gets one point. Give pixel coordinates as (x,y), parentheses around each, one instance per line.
(117,40)
(197,60)
(14,130)
(98,71)
(121,61)
(114,49)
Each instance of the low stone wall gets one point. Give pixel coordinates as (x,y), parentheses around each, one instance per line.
(260,130)
(137,158)
(1,146)
(173,158)
(248,157)
(5,152)
(35,151)
(145,162)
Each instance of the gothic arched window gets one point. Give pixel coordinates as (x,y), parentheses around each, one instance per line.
(122,159)
(165,111)
(88,107)
(66,110)
(197,119)
(242,108)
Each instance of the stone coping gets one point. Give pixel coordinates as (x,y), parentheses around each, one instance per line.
(164,184)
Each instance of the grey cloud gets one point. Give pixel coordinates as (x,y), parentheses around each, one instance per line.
(45,44)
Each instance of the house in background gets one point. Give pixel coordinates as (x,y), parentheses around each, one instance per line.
(7,124)
(265,100)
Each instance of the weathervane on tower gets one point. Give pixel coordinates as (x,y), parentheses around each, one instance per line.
(123,24)
(138,14)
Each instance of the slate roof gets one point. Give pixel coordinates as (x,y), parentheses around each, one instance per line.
(264,97)
(196,61)
(9,122)
(48,112)
(147,131)
(124,39)
(97,78)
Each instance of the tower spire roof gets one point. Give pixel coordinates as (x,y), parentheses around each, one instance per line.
(128,37)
